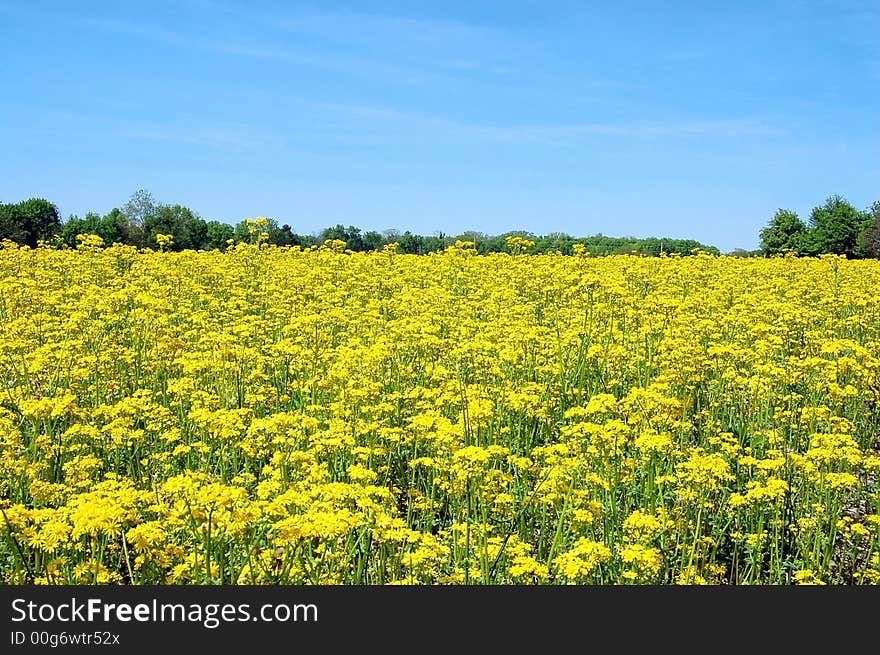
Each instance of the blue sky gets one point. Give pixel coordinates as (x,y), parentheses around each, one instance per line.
(679,119)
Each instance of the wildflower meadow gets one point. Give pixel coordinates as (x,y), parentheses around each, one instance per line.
(280,415)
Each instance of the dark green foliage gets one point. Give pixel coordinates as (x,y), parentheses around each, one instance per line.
(29,222)
(190,232)
(242,233)
(112,228)
(279,235)
(218,235)
(411,244)
(141,218)
(372,240)
(602,245)
(416,244)
(835,227)
(784,232)
(554,242)
(351,235)
(11,226)
(868,244)
(115,228)
(74,226)
(283,236)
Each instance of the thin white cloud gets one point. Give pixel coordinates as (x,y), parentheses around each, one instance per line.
(557,134)
(459,44)
(378,47)
(234,136)
(220,135)
(263,50)
(364,28)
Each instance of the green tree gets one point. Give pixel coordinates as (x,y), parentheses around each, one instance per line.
(139,207)
(869,238)
(835,227)
(554,242)
(112,227)
(283,236)
(11,226)
(241,232)
(190,232)
(435,242)
(218,234)
(29,221)
(410,244)
(372,240)
(785,231)
(279,235)
(115,228)
(74,226)
(351,235)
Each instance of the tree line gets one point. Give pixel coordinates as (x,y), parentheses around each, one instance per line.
(145,223)
(835,227)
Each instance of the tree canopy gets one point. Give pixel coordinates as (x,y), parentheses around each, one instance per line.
(144,222)
(29,221)
(784,232)
(835,227)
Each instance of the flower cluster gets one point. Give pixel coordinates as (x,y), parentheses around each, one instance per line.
(271,415)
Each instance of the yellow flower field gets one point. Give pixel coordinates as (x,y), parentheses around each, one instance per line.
(275,416)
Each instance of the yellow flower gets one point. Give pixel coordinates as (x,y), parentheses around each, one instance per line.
(807,577)
(581,560)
